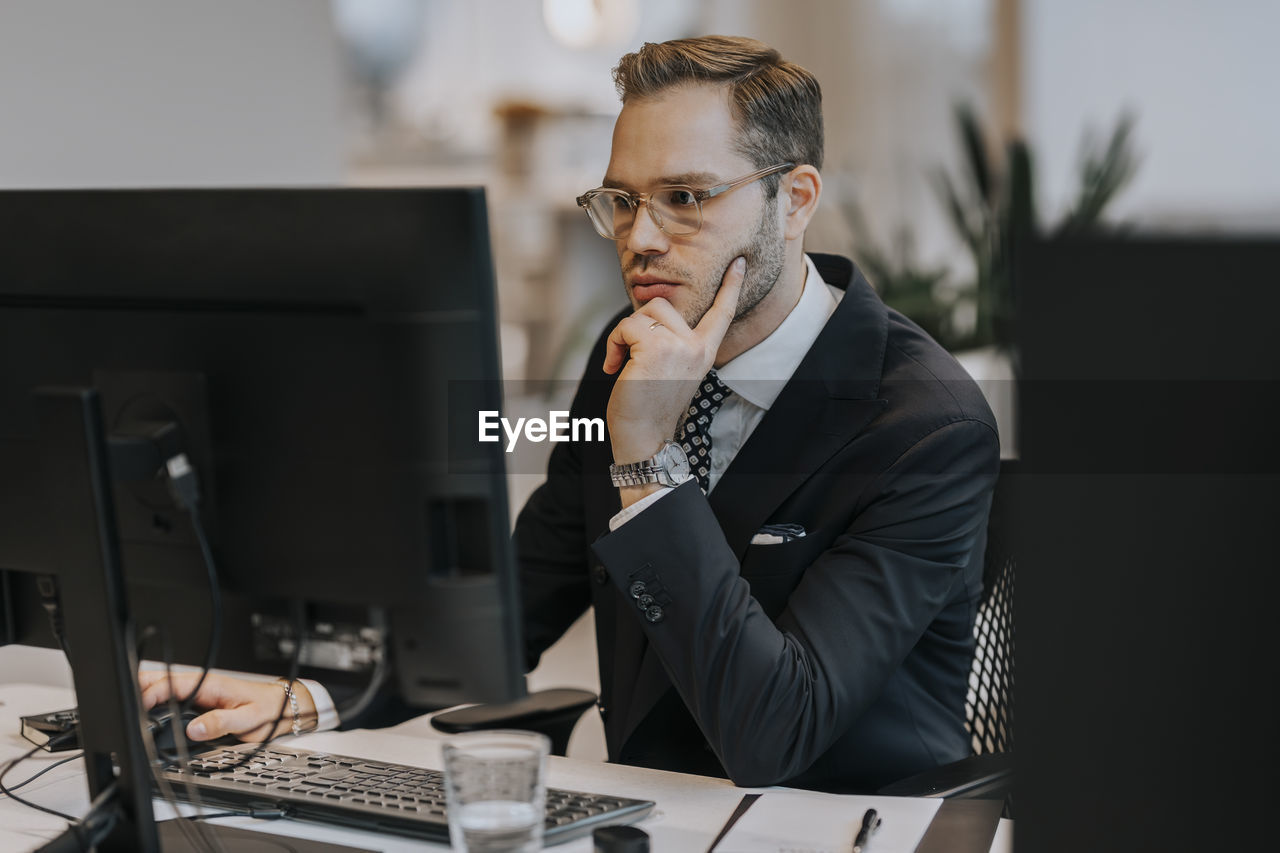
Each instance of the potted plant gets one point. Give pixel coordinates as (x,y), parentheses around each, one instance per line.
(991,206)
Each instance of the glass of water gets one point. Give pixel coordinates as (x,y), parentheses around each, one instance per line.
(495,787)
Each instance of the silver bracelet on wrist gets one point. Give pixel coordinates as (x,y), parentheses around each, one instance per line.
(293,705)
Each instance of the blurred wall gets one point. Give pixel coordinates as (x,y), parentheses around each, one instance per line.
(479,52)
(156,92)
(1201,79)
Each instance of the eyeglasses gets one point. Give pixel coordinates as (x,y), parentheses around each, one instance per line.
(677,210)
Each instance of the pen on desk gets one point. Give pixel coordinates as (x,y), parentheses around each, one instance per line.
(745,803)
(870,823)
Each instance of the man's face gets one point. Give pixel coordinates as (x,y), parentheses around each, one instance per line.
(686,136)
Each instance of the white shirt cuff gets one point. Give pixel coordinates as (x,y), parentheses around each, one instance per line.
(636,508)
(326,711)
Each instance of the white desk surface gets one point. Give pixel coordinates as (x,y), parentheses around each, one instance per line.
(689,814)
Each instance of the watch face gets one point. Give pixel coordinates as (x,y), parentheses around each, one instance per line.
(675,461)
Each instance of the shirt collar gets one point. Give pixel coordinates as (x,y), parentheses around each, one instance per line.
(759,374)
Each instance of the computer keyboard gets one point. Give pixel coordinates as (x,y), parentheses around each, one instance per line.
(366,794)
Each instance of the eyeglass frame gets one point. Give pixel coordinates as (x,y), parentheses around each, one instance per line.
(699,196)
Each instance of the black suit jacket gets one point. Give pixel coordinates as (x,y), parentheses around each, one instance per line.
(836,661)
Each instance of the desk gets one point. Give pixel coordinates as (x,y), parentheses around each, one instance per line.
(690,810)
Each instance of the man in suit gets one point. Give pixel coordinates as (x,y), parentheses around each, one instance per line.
(783,535)
(800,610)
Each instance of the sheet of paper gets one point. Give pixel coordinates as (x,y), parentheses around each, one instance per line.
(803,822)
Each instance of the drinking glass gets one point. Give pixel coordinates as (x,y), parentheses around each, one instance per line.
(495,788)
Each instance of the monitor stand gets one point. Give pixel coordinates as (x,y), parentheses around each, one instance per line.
(85,557)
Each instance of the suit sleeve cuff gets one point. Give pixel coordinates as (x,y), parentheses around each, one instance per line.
(680,531)
(326,711)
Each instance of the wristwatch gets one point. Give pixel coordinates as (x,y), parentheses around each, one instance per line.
(668,467)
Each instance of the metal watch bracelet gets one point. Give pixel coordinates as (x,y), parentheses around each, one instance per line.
(635,474)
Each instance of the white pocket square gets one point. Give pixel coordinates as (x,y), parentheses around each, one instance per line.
(776,534)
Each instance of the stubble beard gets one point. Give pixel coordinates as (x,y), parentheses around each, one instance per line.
(765,252)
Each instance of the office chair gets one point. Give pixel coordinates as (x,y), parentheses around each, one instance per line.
(987,774)
(988,708)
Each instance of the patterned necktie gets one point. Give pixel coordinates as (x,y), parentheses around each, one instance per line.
(694,434)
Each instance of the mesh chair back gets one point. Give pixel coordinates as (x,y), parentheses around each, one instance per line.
(988,705)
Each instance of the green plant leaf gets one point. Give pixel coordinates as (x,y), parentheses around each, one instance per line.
(981,173)
(968,231)
(1022,201)
(1104,171)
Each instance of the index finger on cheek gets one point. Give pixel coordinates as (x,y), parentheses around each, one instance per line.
(720,316)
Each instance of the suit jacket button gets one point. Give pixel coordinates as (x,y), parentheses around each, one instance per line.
(646,601)
(654,614)
(601,574)
(638,589)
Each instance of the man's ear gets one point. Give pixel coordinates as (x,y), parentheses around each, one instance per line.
(798,199)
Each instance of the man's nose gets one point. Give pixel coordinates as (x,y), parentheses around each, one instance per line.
(646,238)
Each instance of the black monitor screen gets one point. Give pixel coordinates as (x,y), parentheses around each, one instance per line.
(319,356)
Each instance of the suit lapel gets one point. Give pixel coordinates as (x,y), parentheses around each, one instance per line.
(829,400)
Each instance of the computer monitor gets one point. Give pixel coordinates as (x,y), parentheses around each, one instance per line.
(1144,527)
(320,357)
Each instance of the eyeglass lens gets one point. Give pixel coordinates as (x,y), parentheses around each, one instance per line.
(674,209)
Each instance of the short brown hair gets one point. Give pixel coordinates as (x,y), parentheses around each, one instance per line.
(777,104)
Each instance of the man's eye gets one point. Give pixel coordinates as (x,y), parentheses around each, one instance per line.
(621,202)
(680,197)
